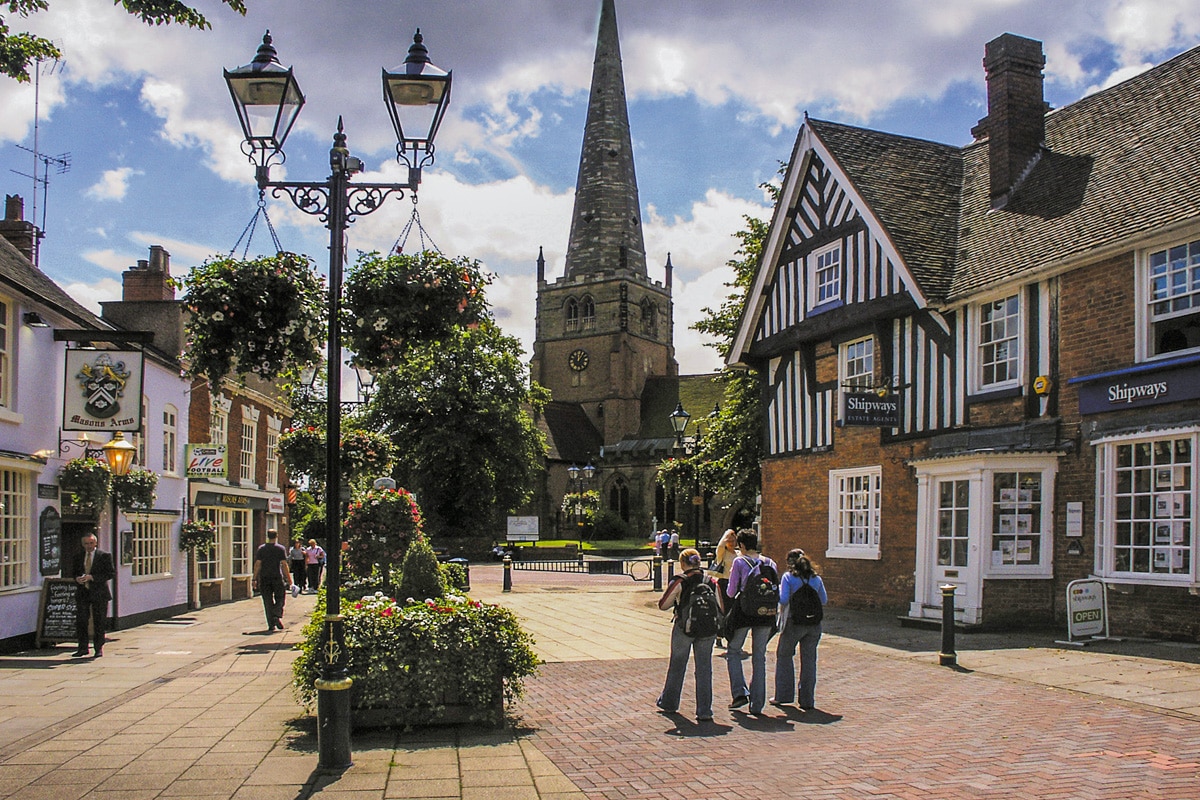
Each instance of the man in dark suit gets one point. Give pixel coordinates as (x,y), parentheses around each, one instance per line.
(92,569)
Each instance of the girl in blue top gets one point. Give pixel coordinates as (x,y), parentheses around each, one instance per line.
(793,635)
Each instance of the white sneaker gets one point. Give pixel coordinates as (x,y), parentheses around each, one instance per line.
(295,591)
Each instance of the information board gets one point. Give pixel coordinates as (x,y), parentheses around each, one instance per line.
(56,614)
(523,529)
(1086,609)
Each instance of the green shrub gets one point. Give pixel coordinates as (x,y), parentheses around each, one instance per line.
(420,656)
(421,574)
(454,576)
(609,525)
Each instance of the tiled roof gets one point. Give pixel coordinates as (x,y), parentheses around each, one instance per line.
(570,435)
(913,186)
(698,393)
(1120,162)
(1117,164)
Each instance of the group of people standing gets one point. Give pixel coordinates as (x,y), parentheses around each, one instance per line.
(736,567)
(307,564)
(666,544)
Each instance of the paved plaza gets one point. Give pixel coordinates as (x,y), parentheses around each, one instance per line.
(201,707)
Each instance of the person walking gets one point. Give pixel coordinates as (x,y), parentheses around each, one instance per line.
(314,562)
(296,557)
(747,568)
(92,569)
(272,577)
(693,629)
(673,544)
(802,614)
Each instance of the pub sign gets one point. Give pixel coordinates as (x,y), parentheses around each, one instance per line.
(103,390)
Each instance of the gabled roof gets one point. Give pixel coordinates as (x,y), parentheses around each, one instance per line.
(1117,165)
(697,393)
(570,435)
(912,185)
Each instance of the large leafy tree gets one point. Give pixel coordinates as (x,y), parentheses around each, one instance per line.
(457,412)
(19,50)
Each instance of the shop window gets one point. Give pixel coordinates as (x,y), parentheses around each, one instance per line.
(151,547)
(239,539)
(1017,519)
(15,528)
(854,513)
(208,559)
(1147,512)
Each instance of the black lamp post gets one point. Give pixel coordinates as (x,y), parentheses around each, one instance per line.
(580,478)
(690,446)
(268,100)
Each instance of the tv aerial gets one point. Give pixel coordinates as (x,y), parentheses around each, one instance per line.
(42,163)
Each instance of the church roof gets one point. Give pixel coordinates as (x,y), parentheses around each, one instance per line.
(570,435)
(606,228)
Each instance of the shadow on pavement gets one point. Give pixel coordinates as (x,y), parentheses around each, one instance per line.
(763,724)
(687,727)
(49,661)
(266,647)
(814,717)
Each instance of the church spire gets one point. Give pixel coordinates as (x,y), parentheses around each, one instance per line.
(606,225)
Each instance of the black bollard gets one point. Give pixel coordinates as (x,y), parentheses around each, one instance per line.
(508,573)
(657,567)
(947,657)
(670,570)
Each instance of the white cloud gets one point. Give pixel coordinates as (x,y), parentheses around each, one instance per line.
(113,184)
(90,295)
(109,260)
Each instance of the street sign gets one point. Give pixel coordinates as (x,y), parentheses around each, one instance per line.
(523,529)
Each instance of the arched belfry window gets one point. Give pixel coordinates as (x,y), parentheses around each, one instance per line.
(618,498)
(572,307)
(587,313)
(649,317)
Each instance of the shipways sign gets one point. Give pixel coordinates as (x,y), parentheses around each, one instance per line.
(103,390)
(868,408)
(1120,391)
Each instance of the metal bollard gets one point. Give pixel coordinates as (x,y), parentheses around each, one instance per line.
(670,570)
(947,657)
(657,568)
(508,573)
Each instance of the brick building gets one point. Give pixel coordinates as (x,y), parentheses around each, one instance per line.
(982,363)
(604,332)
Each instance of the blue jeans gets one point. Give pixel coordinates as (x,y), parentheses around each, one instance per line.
(701,649)
(758,664)
(807,637)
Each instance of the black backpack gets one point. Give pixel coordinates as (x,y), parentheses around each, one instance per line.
(698,610)
(805,603)
(759,598)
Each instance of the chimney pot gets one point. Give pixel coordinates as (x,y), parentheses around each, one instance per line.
(1015,125)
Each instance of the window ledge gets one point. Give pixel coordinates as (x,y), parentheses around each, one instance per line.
(158,576)
(1015,575)
(11,416)
(996,394)
(860,553)
(828,305)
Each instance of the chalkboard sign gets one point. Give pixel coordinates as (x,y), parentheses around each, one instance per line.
(50,542)
(56,614)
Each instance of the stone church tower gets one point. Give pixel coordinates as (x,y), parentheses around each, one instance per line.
(604,328)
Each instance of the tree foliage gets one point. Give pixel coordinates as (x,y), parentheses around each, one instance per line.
(456,411)
(19,50)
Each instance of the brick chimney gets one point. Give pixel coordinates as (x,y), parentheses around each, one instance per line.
(21,234)
(149,280)
(1015,125)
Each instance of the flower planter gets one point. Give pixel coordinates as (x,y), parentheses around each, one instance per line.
(449,711)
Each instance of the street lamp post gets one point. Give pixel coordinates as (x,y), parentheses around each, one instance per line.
(268,99)
(580,478)
(690,446)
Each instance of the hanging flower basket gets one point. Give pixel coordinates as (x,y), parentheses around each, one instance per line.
(302,451)
(135,490)
(365,454)
(393,301)
(198,533)
(85,482)
(378,528)
(254,316)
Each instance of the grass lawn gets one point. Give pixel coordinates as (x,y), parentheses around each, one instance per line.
(637,546)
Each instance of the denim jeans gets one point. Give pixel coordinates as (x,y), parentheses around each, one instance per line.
(760,635)
(701,649)
(807,637)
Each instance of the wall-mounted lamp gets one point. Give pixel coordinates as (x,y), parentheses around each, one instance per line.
(34,320)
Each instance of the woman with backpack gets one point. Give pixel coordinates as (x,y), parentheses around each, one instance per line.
(803,598)
(754,585)
(697,611)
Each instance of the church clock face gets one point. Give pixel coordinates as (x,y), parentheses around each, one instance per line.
(578,360)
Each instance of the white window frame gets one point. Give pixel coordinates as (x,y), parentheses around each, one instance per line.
(248,452)
(824,268)
(1144,297)
(140,450)
(218,419)
(587,313)
(850,354)
(209,564)
(855,512)
(1111,510)
(152,551)
(170,419)
(274,425)
(571,313)
(977,343)
(17,484)
(241,554)
(7,345)
(1022,510)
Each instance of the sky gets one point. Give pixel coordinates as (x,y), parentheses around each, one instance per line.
(717,92)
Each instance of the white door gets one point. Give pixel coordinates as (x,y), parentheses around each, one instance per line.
(950,555)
